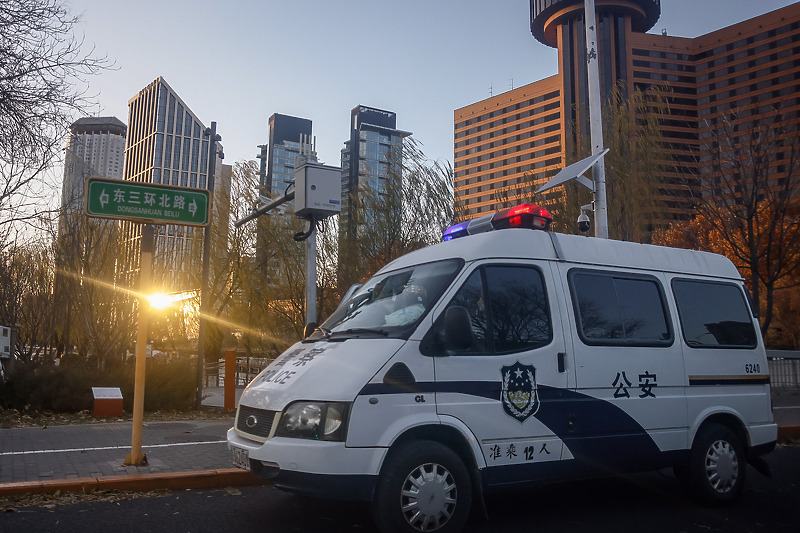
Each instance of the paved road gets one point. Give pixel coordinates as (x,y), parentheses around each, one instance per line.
(648,503)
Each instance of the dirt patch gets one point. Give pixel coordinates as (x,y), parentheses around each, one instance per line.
(12,418)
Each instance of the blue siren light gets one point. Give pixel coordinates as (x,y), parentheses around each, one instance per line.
(456,231)
(527,216)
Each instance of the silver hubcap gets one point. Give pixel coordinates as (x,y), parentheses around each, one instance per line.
(428,498)
(722,466)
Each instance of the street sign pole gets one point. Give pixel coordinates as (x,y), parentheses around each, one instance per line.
(147,203)
(136,457)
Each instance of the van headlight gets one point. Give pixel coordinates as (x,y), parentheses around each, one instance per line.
(314,420)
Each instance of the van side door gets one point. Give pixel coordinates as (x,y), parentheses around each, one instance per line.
(630,412)
(509,381)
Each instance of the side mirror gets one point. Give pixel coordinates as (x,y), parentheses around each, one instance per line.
(351,291)
(309,329)
(458,328)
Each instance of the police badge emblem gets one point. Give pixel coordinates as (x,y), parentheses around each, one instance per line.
(519,394)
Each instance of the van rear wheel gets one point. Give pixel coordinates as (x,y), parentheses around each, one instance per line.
(716,470)
(423,486)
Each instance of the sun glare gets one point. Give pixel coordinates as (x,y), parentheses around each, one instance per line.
(160,300)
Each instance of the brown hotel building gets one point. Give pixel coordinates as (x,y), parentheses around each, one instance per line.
(752,67)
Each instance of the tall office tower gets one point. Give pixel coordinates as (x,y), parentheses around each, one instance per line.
(286,136)
(752,66)
(373,154)
(167,144)
(95,148)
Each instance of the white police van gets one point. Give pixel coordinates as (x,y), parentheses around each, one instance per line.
(503,358)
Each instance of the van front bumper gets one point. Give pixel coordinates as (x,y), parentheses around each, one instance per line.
(314,468)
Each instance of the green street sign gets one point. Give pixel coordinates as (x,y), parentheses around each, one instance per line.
(146,202)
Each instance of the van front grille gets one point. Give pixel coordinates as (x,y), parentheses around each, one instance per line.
(255,422)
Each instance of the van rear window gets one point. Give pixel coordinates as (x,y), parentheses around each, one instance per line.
(714,315)
(619,309)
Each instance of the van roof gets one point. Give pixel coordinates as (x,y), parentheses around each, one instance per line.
(533,244)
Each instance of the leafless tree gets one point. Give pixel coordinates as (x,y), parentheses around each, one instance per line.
(634,166)
(410,210)
(92,310)
(750,195)
(26,280)
(43,71)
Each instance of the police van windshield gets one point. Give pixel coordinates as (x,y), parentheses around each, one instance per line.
(391,304)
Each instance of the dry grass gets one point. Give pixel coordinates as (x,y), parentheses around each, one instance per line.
(12,418)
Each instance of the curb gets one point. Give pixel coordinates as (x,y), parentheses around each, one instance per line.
(197,479)
(788,434)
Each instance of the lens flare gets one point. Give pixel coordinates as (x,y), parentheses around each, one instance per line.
(160,300)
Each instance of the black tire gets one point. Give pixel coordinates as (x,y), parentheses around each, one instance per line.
(423,486)
(717,465)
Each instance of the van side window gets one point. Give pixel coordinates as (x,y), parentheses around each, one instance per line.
(619,309)
(713,314)
(508,307)
(470,296)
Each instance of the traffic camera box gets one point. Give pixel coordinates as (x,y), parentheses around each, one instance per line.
(318,190)
(107,402)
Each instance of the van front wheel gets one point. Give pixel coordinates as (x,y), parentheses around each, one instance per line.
(717,465)
(424,486)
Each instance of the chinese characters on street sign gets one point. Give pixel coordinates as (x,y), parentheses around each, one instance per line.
(147,202)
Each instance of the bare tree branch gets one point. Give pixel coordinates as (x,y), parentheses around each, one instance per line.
(43,73)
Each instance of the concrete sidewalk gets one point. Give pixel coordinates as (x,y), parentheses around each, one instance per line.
(181,454)
(215,396)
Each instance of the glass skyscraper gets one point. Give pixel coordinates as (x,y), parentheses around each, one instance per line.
(285,137)
(372,154)
(166,144)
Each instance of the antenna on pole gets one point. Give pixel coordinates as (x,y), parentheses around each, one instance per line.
(595,122)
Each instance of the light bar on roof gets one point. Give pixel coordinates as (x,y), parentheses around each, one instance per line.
(526,216)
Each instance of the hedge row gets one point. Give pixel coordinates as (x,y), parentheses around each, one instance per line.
(169,386)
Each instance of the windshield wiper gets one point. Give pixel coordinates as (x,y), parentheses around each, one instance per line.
(314,337)
(356,331)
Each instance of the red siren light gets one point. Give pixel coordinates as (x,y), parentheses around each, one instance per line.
(523,216)
(527,216)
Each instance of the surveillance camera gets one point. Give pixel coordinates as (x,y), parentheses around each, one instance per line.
(583,222)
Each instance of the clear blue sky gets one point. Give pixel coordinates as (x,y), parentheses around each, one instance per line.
(239,61)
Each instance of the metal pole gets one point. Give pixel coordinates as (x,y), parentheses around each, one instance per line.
(311,275)
(136,457)
(204,296)
(596,122)
(288,197)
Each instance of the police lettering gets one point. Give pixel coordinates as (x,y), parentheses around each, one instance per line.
(277,376)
